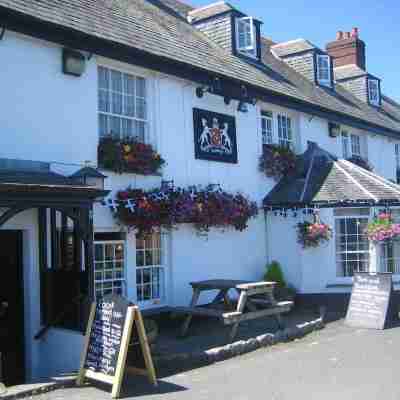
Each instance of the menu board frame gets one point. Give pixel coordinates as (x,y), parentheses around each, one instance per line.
(133,315)
(377,290)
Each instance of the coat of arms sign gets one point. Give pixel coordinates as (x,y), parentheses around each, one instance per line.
(214,136)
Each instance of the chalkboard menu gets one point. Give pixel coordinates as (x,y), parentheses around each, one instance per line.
(369,300)
(106,334)
(109,331)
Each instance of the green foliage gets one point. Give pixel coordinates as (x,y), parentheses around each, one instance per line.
(274,274)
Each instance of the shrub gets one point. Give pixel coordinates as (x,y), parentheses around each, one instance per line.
(274,274)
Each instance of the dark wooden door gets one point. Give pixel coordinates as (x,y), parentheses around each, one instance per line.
(11,308)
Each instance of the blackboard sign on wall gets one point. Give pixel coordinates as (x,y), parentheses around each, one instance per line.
(108,334)
(369,300)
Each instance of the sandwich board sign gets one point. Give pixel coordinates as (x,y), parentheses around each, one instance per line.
(370,300)
(112,322)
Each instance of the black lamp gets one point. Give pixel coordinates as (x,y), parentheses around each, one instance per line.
(90,177)
(334,129)
(74,62)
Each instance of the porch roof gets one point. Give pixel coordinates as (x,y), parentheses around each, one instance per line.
(44,187)
(323,180)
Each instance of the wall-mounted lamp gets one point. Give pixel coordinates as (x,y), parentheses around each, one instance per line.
(244,91)
(74,62)
(201,90)
(242,107)
(334,130)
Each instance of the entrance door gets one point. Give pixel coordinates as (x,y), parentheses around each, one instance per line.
(11,308)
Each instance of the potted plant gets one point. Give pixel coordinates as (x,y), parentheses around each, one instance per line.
(128,155)
(277,161)
(313,234)
(282,292)
(382,229)
(361,162)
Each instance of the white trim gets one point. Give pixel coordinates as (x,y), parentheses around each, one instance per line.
(250,50)
(325,82)
(357,183)
(378,95)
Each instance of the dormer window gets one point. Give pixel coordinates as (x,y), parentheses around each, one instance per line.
(246,36)
(324,70)
(373,92)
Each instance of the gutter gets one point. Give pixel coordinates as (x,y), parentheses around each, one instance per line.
(72,38)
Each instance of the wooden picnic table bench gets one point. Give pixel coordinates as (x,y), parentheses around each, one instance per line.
(256,300)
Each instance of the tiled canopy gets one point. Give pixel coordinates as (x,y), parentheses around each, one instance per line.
(323,180)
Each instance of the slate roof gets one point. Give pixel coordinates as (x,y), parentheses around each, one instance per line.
(322,179)
(292,47)
(220,7)
(349,71)
(146,27)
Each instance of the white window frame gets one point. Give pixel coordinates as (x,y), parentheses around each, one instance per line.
(352,145)
(373,92)
(250,32)
(267,127)
(285,131)
(123,279)
(397,156)
(327,80)
(346,274)
(389,255)
(109,114)
(153,301)
(355,142)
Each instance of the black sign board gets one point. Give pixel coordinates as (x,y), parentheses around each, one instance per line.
(214,136)
(105,337)
(106,346)
(369,300)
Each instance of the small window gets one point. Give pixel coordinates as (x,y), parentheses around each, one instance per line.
(397,153)
(122,104)
(351,145)
(109,268)
(149,269)
(285,134)
(267,124)
(352,245)
(324,70)
(246,36)
(345,145)
(355,145)
(373,92)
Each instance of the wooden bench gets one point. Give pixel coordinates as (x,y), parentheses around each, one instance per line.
(256,300)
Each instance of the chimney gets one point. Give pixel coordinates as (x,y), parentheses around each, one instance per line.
(347,49)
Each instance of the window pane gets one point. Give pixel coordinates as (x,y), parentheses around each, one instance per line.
(103,125)
(141,87)
(109,275)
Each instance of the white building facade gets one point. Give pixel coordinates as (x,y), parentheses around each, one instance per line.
(50,117)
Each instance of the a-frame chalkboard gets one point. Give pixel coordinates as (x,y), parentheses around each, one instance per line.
(370,301)
(110,327)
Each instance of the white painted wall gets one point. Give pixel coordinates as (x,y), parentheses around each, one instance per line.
(48,116)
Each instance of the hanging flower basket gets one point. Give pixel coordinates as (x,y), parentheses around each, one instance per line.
(128,155)
(277,161)
(382,229)
(361,162)
(313,234)
(165,208)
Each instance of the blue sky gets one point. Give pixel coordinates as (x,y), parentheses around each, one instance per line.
(318,21)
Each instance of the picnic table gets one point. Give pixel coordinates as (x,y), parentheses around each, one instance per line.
(256,300)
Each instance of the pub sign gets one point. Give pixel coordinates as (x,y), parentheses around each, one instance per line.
(214,136)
